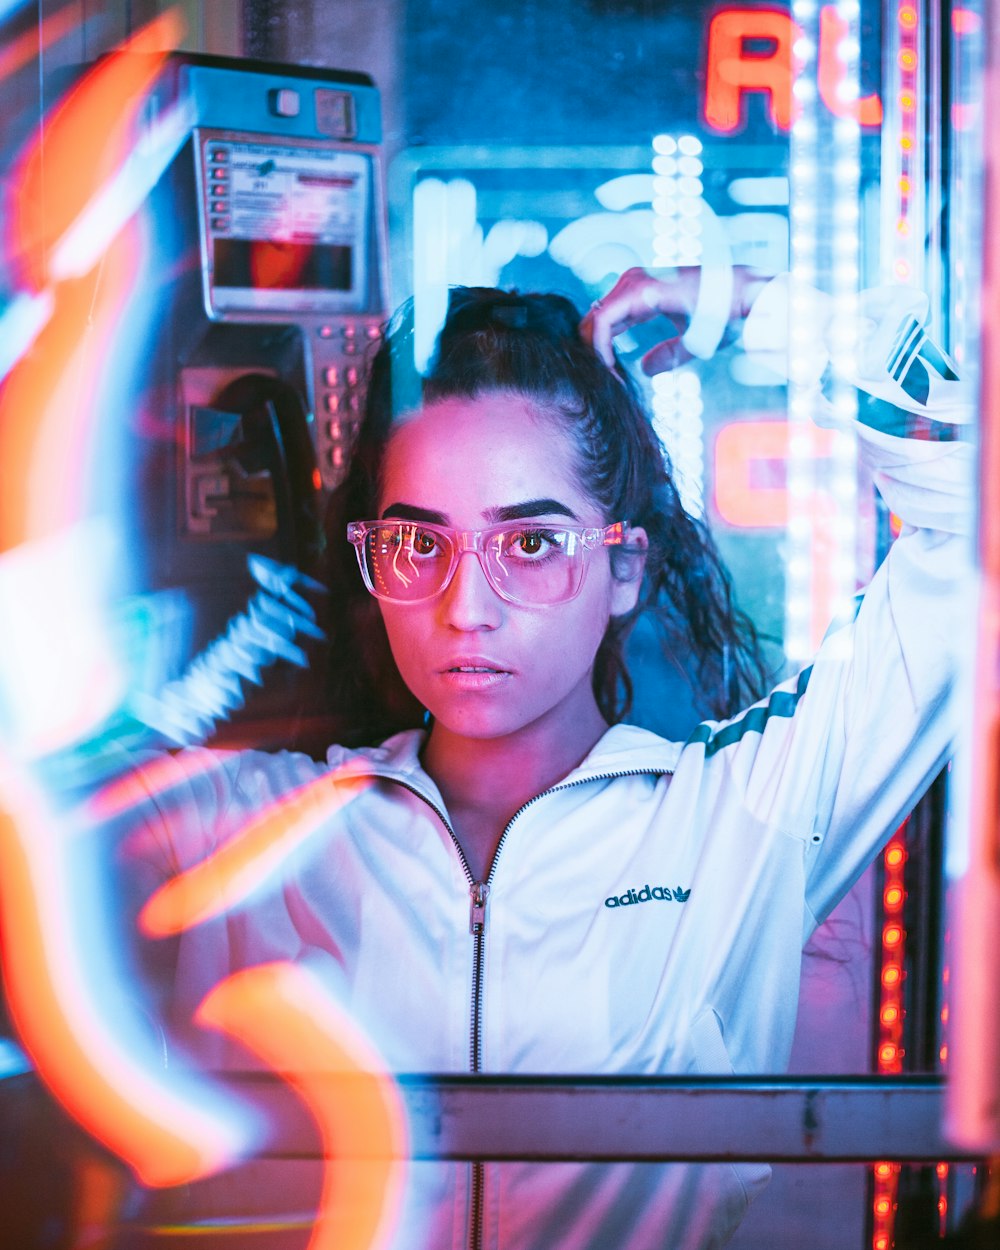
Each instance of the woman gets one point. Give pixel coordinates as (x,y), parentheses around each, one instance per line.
(527,884)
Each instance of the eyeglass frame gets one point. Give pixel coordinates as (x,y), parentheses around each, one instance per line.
(592,538)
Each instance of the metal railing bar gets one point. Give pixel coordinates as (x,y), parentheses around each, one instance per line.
(643,1119)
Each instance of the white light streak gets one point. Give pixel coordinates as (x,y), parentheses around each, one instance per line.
(90,235)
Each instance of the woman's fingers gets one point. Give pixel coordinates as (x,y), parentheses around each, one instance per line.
(669,354)
(638,296)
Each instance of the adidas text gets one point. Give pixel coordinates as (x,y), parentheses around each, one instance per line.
(646,895)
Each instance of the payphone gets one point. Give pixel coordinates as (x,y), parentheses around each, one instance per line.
(270,223)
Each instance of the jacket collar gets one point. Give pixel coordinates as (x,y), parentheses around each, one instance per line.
(622,749)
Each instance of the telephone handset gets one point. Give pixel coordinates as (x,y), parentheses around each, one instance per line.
(251,471)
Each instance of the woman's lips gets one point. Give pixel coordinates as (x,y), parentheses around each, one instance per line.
(474,674)
(473,663)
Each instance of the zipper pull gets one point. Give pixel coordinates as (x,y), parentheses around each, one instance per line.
(479,891)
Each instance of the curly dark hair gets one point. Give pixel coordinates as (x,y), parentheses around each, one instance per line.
(529,345)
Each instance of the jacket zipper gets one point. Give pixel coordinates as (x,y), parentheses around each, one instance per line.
(479,893)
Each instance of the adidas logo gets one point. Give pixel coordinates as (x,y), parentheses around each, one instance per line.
(646,895)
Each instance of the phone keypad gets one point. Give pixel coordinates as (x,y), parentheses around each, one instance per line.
(340,391)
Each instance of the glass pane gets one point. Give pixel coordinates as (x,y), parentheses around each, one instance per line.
(199,259)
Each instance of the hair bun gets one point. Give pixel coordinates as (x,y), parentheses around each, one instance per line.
(475,308)
(513,315)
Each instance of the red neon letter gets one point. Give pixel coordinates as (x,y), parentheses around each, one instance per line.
(735,66)
(833,29)
(740,500)
(743,496)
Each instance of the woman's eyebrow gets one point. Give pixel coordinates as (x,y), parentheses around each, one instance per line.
(530,508)
(503,512)
(410,512)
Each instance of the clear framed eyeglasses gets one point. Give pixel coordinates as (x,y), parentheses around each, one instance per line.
(525,562)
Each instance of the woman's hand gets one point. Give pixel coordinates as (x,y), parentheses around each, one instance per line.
(689,294)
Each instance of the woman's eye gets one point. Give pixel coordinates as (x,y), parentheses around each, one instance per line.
(529,544)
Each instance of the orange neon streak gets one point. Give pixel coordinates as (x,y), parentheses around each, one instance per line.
(732,70)
(248,859)
(27,47)
(47,404)
(282,1013)
(45,421)
(164,773)
(867,110)
(81,145)
(134,1111)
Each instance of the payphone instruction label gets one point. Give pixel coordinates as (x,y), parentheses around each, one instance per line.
(286,228)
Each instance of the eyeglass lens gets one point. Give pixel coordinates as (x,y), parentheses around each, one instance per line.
(533,564)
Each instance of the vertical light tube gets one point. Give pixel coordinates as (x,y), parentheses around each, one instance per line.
(824,183)
(679,216)
(973,862)
(904,182)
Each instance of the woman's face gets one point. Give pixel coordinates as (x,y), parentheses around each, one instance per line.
(471,463)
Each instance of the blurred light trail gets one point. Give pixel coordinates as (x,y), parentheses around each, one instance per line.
(59,670)
(73,1020)
(74,255)
(48,403)
(21,322)
(89,236)
(9,7)
(245,863)
(161,775)
(85,1038)
(24,49)
(13,1060)
(284,1015)
(80,145)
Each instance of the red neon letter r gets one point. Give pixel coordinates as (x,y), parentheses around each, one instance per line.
(735,67)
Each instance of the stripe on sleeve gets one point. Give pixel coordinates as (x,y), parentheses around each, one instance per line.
(781,703)
(879,414)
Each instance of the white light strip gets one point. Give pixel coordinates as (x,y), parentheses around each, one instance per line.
(677,419)
(680,217)
(824,178)
(678,203)
(903,224)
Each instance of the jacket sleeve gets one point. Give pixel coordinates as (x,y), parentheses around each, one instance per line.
(171,815)
(838,756)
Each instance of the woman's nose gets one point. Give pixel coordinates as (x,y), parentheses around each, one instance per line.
(469,601)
